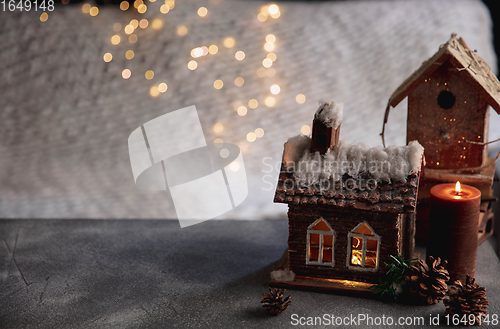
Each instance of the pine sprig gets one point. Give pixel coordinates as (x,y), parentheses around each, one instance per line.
(387,289)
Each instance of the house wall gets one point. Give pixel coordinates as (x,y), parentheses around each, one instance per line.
(387,225)
(443,132)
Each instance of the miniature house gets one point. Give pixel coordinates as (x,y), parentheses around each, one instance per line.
(448,98)
(448,113)
(350,206)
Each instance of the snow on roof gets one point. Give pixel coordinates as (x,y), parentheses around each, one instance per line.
(394,163)
(330,113)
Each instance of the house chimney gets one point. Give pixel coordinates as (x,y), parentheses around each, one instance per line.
(326,126)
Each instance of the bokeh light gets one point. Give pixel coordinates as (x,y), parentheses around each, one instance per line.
(239,81)
(202,11)
(108,57)
(149,74)
(218,128)
(300,98)
(192,65)
(218,84)
(270,101)
(162,87)
(305,130)
(229,42)
(126,74)
(253,103)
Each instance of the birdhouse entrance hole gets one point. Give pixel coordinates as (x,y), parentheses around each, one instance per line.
(446,99)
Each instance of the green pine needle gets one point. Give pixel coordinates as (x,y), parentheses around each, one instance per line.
(388,285)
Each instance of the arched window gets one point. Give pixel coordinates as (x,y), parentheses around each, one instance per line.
(320,244)
(364,248)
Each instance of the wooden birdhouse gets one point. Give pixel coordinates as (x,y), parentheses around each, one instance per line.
(448,113)
(351,206)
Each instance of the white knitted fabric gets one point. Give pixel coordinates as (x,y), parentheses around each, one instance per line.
(65,114)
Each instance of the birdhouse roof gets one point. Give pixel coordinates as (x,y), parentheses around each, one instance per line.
(472,67)
(343,177)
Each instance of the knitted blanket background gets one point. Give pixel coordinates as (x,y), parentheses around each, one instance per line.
(65,114)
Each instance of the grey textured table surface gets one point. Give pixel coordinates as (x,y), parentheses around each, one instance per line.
(152,274)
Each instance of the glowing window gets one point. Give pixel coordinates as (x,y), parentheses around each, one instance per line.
(320,244)
(364,248)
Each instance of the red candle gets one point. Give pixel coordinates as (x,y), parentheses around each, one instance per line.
(453,227)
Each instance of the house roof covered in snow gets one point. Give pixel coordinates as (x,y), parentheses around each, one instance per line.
(473,68)
(351,176)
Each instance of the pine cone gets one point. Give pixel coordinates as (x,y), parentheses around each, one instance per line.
(467,299)
(428,280)
(274,302)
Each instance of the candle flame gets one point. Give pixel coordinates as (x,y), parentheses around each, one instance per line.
(458,187)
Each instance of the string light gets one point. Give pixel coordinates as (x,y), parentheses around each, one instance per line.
(267,63)
(218,128)
(240,55)
(224,153)
(132,38)
(273,9)
(202,11)
(170,3)
(218,84)
(44,17)
(270,72)
(117,27)
(242,111)
(129,29)
(251,137)
(261,72)
(270,101)
(239,81)
(157,24)
(126,74)
(275,89)
(218,142)
(108,57)
(196,52)
(162,87)
(305,130)
(259,132)
(182,30)
(115,39)
(234,166)
(271,38)
(137,3)
(134,23)
(204,51)
(262,17)
(300,98)
(143,23)
(268,46)
(94,11)
(129,54)
(153,91)
(164,8)
(124,5)
(192,65)
(253,103)
(86,8)
(149,74)
(229,42)
(213,49)
(271,56)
